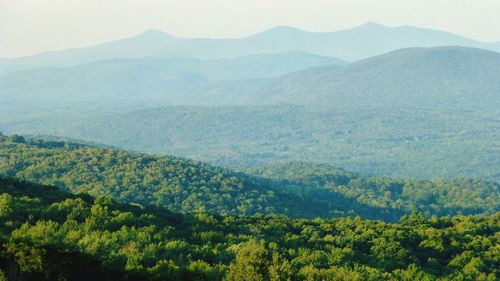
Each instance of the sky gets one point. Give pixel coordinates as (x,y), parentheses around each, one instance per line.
(33,26)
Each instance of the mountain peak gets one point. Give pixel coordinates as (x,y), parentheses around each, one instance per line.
(371,24)
(155,33)
(279,30)
(284,28)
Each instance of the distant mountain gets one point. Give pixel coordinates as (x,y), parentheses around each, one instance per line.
(352,44)
(365,41)
(443,77)
(140,80)
(419,112)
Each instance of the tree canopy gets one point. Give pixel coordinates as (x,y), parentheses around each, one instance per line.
(294,189)
(48,234)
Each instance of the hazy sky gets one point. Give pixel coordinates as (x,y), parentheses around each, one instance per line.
(32,26)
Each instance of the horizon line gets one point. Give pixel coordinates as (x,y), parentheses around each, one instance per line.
(165,33)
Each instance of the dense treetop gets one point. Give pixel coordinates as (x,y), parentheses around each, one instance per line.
(435,197)
(47,234)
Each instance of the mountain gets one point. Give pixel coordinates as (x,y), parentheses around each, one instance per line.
(352,44)
(419,112)
(143,45)
(48,234)
(444,77)
(132,81)
(367,40)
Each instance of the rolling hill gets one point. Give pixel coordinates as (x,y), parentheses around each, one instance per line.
(397,142)
(186,186)
(171,182)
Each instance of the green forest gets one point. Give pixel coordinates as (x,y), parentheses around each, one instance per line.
(397,142)
(174,183)
(430,197)
(48,234)
(207,149)
(294,189)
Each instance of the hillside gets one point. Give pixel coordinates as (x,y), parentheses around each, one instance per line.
(395,142)
(352,44)
(429,197)
(187,186)
(426,113)
(175,183)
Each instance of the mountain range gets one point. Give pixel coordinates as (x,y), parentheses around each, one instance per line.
(448,77)
(353,44)
(166,79)
(163,158)
(412,112)
(442,77)
(417,112)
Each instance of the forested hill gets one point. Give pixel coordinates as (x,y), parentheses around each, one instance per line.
(171,182)
(431,197)
(394,142)
(47,234)
(294,190)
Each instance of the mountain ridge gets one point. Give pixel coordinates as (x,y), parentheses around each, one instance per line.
(444,74)
(345,44)
(428,77)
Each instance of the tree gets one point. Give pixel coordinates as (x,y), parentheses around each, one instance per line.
(252,263)
(16,139)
